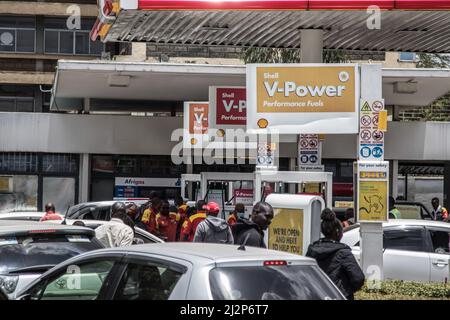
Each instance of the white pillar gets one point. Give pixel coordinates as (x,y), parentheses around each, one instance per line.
(371,233)
(311,46)
(394,179)
(83,185)
(292,164)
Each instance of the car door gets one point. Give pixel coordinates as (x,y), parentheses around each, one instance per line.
(88,279)
(406,256)
(439,240)
(144,277)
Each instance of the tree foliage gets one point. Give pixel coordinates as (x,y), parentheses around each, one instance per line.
(433,60)
(283,55)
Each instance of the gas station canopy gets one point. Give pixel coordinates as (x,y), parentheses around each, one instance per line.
(406,25)
(109,82)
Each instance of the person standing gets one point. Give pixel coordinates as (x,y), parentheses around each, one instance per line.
(439,212)
(50,213)
(166,223)
(238,212)
(213,229)
(115,233)
(394,213)
(336,258)
(149,215)
(250,232)
(349,218)
(190,224)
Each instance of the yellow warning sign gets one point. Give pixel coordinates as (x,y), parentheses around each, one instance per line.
(373,201)
(286,231)
(366,107)
(382,120)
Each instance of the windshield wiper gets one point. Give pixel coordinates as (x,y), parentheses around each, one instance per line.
(42,267)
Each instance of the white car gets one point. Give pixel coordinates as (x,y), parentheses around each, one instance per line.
(414,250)
(141,236)
(185,271)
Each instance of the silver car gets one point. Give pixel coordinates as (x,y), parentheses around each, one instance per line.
(28,249)
(192,271)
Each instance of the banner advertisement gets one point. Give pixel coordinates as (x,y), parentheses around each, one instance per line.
(195,124)
(244,196)
(286,231)
(303,98)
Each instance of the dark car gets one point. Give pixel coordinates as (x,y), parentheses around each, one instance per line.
(100,210)
(28,249)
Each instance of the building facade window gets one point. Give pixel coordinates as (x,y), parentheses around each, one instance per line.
(58,39)
(29,180)
(16,98)
(17,34)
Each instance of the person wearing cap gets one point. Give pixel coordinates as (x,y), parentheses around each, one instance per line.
(213,229)
(190,224)
(238,212)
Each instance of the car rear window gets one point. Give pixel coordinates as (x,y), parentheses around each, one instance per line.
(291,282)
(34,250)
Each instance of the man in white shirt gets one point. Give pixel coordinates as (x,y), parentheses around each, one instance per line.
(115,233)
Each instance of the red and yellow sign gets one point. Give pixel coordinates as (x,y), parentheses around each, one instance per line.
(198,118)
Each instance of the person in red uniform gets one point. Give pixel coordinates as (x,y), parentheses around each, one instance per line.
(149,215)
(190,224)
(182,214)
(166,223)
(238,212)
(50,213)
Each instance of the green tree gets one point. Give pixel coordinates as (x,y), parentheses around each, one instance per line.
(282,55)
(433,60)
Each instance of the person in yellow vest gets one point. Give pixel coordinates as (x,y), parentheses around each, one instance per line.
(394,213)
(238,212)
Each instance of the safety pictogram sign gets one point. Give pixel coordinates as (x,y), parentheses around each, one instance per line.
(309,152)
(371,138)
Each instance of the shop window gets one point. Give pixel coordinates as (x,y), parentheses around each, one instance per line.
(59,191)
(18,162)
(17,34)
(62,163)
(18,193)
(61,40)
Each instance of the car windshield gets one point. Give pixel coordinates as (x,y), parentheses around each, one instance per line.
(292,282)
(36,250)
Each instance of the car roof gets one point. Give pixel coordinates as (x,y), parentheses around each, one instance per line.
(17,226)
(413,222)
(3,215)
(210,251)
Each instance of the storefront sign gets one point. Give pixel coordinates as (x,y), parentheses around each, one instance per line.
(195,124)
(371,138)
(286,231)
(373,193)
(244,196)
(147,182)
(227,107)
(303,98)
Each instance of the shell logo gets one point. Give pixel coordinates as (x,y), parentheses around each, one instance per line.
(220,133)
(193,141)
(263,123)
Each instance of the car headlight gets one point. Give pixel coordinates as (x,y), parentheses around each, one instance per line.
(8,283)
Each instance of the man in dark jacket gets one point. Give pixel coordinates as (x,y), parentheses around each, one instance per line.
(335,258)
(213,229)
(251,232)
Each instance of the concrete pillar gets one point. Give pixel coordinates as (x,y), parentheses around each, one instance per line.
(371,233)
(190,169)
(87,105)
(446,199)
(393,178)
(292,165)
(311,47)
(84,178)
